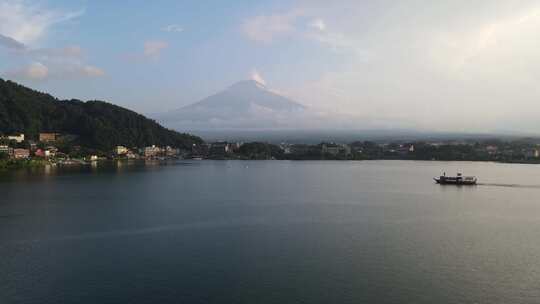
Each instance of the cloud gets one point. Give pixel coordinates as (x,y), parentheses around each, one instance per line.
(173,28)
(11,43)
(153,49)
(38,71)
(53,63)
(255,75)
(28,23)
(266,28)
(73,52)
(92,71)
(453,65)
(34,71)
(22,26)
(318,24)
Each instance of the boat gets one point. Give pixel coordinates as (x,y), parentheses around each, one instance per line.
(455,180)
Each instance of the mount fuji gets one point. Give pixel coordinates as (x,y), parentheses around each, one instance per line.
(246,104)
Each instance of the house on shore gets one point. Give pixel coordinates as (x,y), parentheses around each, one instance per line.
(219,148)
(335,149)
(121,150)
(48,137)
(222,148)
(152,151)
(21,153)
(6,150)
(19,138)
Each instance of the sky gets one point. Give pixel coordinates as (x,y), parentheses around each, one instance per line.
(432,65)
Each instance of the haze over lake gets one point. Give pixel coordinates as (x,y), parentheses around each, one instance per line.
(270,232)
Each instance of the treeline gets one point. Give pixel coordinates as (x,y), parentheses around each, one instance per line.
(509,152)
(96,124)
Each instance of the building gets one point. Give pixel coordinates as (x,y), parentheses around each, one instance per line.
(93,158)
(21,153)
(402,149)
(234,147)
(286,148)
(151,151)
(331,148)
(335,149)
(48,137)
(491,149)
(131,155)
(532,153)
(32,144)
(19,138)
(6,150)
(220,148)
(121,150)
(39,153)
(51,151)
(171,152)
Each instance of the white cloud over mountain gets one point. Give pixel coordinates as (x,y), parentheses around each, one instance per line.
(441,64)
(444,65)
(28,23)
(255,75)
(23,26)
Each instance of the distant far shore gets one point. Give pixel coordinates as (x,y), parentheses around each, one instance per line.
(17,151)
(11,165)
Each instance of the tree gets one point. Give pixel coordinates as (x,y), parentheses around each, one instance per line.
(95,124)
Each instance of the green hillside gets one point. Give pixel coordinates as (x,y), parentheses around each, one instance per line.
(95,124)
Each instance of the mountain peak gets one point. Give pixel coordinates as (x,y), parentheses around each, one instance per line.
(247,103)
(248,84)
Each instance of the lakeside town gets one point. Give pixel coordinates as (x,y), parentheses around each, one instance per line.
(56,148)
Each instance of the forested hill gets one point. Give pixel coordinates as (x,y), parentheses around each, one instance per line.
(96,124)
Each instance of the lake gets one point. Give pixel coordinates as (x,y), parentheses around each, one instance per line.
(270,232)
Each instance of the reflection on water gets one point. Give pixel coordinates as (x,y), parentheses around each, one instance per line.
(509,185)
(269,231)
(95,167)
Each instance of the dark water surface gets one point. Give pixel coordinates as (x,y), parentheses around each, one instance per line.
(270,232)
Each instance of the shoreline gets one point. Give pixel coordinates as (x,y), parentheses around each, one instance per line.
(12,165)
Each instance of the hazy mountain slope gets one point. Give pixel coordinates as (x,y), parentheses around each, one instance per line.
(244,104)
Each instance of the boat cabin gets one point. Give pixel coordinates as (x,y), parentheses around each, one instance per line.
(459,179)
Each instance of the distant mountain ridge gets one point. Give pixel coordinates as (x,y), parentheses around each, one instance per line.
(246,103)
(97,124)
(243,94)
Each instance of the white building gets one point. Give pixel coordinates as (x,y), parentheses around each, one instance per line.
(18,138)
(152,151)
(5,149)
(121,150)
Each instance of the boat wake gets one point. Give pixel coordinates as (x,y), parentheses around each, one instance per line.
(509,185)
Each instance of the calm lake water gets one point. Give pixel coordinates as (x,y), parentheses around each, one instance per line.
(270,232)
